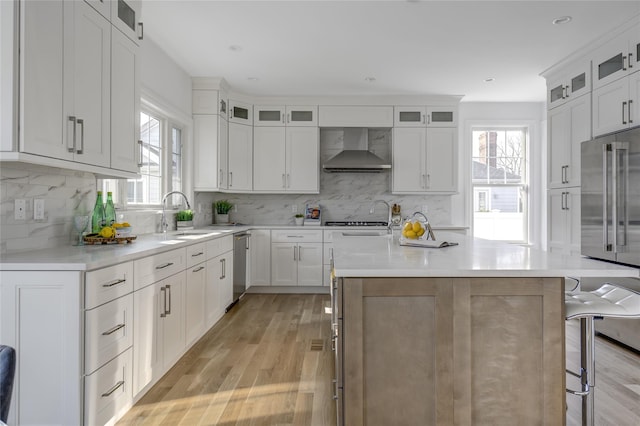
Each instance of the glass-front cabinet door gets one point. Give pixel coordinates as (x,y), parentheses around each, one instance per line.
(617,58)
(409,116)
(269,115)
(240,112)
(125,15)
(302,116)
(442,117)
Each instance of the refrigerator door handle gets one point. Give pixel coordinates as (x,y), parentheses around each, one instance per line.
(606,148)
(620,177)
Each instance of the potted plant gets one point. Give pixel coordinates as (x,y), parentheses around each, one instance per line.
(299,219)
(184,219)
(222,209)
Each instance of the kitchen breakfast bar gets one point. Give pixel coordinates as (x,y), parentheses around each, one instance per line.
(471,334)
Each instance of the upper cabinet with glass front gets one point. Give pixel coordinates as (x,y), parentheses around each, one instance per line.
(617,58)
(125,16)
(571,82)
(430,116)
(240,112)
(279,115)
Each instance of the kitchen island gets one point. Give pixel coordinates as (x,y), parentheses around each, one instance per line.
(471,334)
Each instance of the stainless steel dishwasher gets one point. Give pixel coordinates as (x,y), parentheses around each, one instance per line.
(240,247)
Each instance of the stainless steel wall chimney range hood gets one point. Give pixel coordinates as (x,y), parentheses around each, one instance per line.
(355,156)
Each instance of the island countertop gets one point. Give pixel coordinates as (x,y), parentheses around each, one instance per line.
(383,256)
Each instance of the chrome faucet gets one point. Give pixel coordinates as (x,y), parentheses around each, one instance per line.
(163,224)
(372,210)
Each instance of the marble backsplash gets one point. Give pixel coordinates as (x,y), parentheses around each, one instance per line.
(343,196)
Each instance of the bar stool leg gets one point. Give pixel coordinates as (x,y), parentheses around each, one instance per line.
(588,369)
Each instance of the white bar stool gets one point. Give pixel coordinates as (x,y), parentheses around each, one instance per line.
(609,301)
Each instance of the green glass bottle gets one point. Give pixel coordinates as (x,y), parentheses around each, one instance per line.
(97,219)
(109,211)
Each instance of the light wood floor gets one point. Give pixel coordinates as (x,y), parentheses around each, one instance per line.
(269,362)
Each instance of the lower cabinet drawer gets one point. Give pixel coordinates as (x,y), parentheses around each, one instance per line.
(108,332)
(108,392)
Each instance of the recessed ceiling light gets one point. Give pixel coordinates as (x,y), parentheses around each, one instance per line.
(562,20)
(369,79)
(235,48)
(489,80)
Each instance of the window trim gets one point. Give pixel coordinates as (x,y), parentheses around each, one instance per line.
(530,128)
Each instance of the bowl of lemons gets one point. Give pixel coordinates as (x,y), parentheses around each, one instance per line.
(416,228)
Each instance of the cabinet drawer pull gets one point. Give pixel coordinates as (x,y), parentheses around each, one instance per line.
(168,312)
(166,265)
(113,389)
(624,104)
(140,154)
(164,309)
(629,111)
(295,236)
(624,67)
(141,26)
(197,254)
(116,282)
(198,269)
(113,330)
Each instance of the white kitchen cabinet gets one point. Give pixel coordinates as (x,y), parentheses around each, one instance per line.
(159,331)
(210,152)
(40,316)
(296,258)
(259,259)
(240,157)
(442,116)
(355,116)
(286,159)
(617,58)
(269,115)
(301,115)
(281,115)
(195,324)
(616,105)
(125,16)
(125,103)
(424,160)
(219,278)
(563,233)
(410,116)
(568,126)
(569,83)
(240,112)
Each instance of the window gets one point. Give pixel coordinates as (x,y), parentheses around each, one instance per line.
(500,183)
(161,170)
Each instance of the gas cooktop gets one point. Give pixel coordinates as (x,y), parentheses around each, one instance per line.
(355,223)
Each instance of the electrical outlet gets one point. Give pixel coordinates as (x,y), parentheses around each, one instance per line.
(38,209)
(294,208)
(20,212)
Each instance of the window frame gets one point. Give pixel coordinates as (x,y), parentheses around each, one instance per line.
(169,119)
(528,129)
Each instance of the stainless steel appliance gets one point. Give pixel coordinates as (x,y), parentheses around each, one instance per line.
(610,197)
(355,223)
(240,247)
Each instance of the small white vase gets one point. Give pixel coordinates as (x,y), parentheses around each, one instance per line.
(299,221)
(222,219)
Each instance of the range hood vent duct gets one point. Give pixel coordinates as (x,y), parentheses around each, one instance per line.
(356,157)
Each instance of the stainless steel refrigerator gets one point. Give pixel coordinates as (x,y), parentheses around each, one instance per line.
(610,197)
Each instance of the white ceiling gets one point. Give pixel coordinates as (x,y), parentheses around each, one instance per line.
(310,48)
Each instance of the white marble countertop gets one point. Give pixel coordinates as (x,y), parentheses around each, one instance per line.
(383,256)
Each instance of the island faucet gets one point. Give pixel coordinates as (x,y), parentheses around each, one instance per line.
(372,210)
(163,224)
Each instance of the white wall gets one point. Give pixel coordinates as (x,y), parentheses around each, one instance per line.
(489,113)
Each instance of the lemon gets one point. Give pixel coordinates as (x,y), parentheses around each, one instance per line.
(416,227)
(408,227)
(107,232)
(420,232)
(411,235)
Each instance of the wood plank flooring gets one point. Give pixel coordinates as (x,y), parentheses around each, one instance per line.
(269,362)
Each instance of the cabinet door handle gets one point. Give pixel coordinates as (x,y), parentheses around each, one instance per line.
(165,265)
(630,61)
(141,26)
(198,269)
(113,389)
(221,176)
(428,180)
(282,118)
(113,330)
(71,147)
(424,119)
(284,183)
(624,67)
(288,180)
(222,269)
(289,118)
(299,253)
(168,312)
(294,254)
(629,110)
(115,282)
(230,179)
(568,89)
(428,118)
(624,104)
(197,254)
(80,121)
(140,148)
(164,305)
